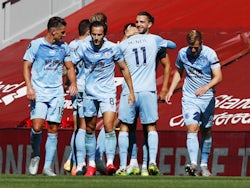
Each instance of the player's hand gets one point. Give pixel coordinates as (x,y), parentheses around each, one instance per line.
(168,97)
(130,31)
(162,95)
(73,90)
(201,91)
(31,95)
(131,99)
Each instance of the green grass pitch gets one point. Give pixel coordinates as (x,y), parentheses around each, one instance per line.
(26,181)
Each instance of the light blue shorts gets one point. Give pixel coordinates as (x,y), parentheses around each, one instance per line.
(94,107)
(80,105)
(198,111)
(145,105)
(51,110)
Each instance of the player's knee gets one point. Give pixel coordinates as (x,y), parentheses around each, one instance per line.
(52,128)
(37,127)
(90,129)
(192,128)
(108,128)
(206,132)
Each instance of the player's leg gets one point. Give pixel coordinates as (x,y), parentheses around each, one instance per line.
(100,149)
(153,141)
(80,137)
(133,167)
(110,140)
(81,148)
(206,136)
(38,112)
(90,140)
(50,148)
(123,144)
(91,108)
(71,162)
(206,144)
(54,117)
(145,156)
(127,135)
(35,140)
(108,110)
(149,116)
(191,115)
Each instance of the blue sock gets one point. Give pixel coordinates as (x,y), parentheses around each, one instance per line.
(50,146)
(193,147)
(80,147)
(72,155)
(153,146)
(132,145)
(35,141)
(100,147)
(110,145)
(123,144)
(206,144)
(145,154)
(90,141)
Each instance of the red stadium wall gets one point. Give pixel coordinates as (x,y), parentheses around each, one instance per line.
(229,156)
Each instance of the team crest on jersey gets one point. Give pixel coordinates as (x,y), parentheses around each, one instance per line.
(107,54)
(101,64)
(52,52)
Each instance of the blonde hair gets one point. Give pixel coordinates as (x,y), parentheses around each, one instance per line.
(99,16)
(193,36)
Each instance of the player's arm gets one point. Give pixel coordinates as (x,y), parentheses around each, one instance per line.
(128,79)
(217,78)
(72,77)
(176,79)
(171,44)
(31,95)
(165,61)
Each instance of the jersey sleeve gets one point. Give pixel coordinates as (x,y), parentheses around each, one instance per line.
(77,53)
(179,63)
(67,57)
(118,57)
(214,60)
(30,52)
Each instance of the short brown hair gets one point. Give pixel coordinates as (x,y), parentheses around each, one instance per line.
(193,36)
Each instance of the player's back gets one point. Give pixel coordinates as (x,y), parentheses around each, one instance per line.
(140,55)
(79,65)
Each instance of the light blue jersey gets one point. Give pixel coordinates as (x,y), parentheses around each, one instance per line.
(79,65)
(100,64)
(47,62)
(198,71)
(140,56)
